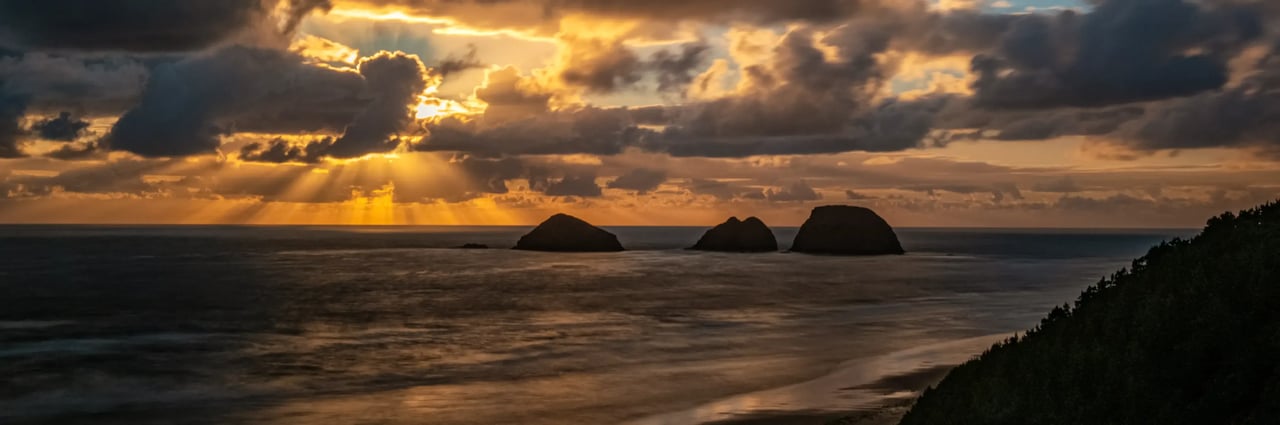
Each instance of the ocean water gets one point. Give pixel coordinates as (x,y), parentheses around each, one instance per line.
(388,325)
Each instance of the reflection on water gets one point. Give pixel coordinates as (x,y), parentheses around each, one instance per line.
(857,384)
(325,325)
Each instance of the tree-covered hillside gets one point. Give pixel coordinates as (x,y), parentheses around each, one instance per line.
(1190,334)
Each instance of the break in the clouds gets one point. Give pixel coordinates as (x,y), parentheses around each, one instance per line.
(524,104)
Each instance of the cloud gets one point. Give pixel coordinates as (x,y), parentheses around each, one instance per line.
(299,9)
(393,80)
(640,180)
(492,174)
(102,86)
(855,196)
(581,185)
(598,65)
(63,128)
(123,177)
(1119,52)
(796,192)
(127,25)
(660,18)
(1002,191)
(76,151)
(715,188)
(675,70)
(1240,116)
(188,106)
(587,130)
(1066,184)
(11,110)
(512,96)
(453,64)
(1144,75)
(890,126)
(280,151)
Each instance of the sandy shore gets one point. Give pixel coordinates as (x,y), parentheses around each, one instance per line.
(870,391)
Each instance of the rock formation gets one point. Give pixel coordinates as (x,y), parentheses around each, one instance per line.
(565,233)
(846,230)
(750,235)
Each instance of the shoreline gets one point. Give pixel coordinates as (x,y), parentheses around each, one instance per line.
(874,390)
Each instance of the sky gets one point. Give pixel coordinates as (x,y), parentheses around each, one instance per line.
(1017,113)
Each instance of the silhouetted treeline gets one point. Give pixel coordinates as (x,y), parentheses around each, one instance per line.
(1190,334)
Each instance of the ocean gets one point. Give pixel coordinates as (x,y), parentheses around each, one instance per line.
(390,325)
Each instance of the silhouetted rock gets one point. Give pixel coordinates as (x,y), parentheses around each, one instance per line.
(566,233)
(473,246)
(846,230)
(750,235)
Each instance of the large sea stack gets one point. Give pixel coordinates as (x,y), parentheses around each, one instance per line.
(566,233)
(846,230)
(750,235)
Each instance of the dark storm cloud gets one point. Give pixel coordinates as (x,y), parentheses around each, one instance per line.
(142,25)
(581,185)
(605,66)
(86,85)
(63,127)
(1121,51)
(492,174)
(1048,125)
(393,80)
(675,70)
(1007,124)
(133,25)
(11,110)
(1247,115)
(281,151)
(891,126)
(587,130)
(599,66)
(640,180)
(187,107)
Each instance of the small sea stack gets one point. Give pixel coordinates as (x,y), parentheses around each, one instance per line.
(750,235)
(566,233)
(846,230)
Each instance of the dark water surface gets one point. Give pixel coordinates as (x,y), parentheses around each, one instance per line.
(317,325)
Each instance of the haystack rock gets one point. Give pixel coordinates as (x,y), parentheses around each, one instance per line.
(750,235)
(846,230)
(566,233)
